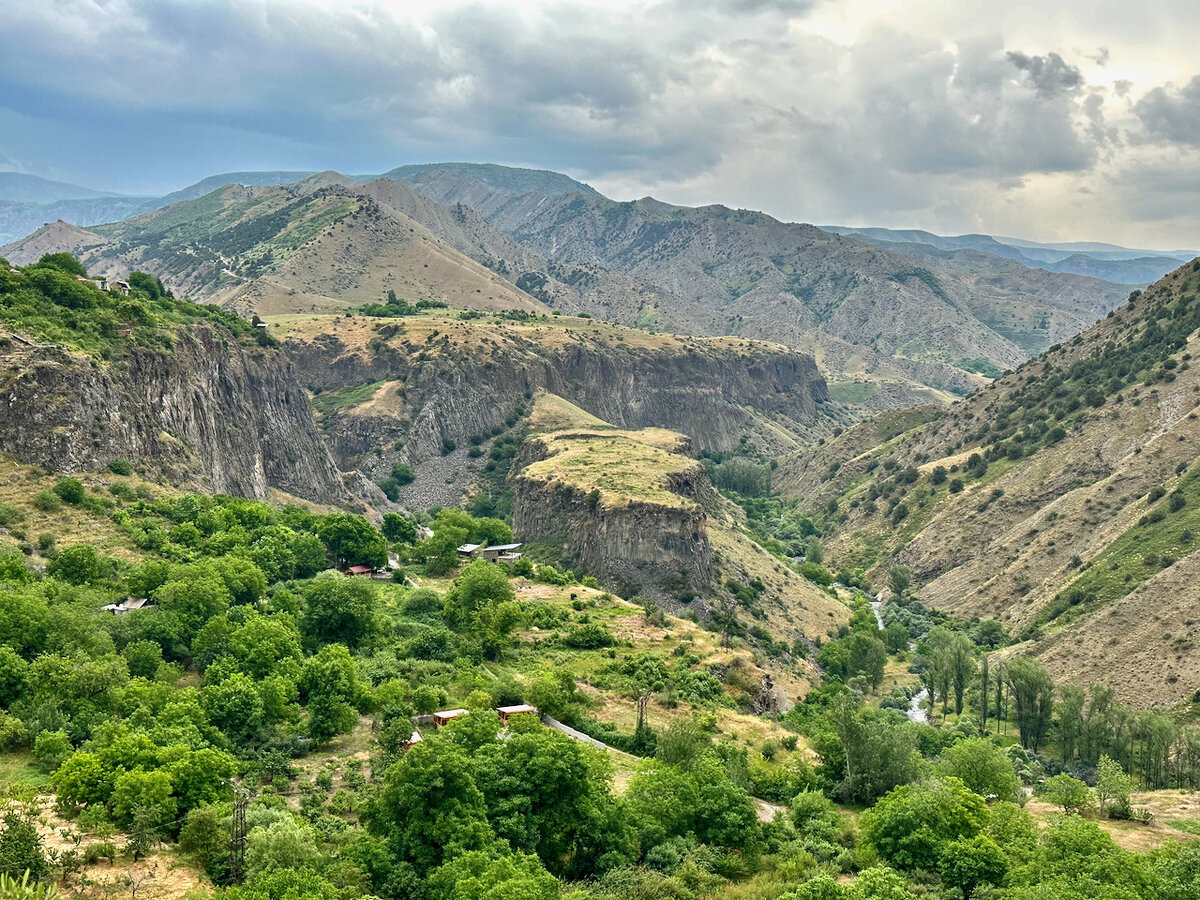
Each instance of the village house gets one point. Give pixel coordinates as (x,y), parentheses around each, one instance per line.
(507,712)
(351,571)
(501,553)
(469,551)
(448,715)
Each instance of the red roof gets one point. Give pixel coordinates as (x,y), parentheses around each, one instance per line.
(359,570)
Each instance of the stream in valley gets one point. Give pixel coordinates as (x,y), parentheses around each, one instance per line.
(916,712)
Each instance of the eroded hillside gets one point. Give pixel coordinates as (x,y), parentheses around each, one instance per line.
(310,247)
(1063,499)
(424,389)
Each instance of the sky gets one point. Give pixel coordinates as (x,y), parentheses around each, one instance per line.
(1065,120)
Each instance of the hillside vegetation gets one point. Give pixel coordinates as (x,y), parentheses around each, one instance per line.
(314,246)
(1061,491)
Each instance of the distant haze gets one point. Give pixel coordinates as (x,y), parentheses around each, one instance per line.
(1072,121)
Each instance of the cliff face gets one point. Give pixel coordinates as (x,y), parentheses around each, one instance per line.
(654,543)
(448,380)
(207,413)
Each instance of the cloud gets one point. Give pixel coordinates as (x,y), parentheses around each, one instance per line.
(1172,114)
(907,113)
(1050,74)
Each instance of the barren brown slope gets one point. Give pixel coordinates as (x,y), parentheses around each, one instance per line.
(1092,488)
(588,289)
(1143,646)
(315,246)
(742,271)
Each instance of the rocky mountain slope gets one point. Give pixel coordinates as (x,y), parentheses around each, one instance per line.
(1063,500)
(441,383)
(208,414)
(887,329)
(190,394)
(1121,265)
(313,246)
(27,203)
(738,271)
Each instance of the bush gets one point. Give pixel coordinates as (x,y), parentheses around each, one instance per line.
(121,467)
(50,748)
(816,574)
(10,515)
(70,490)
(47,501)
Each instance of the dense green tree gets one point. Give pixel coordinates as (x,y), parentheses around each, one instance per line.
(479,875)
(234,706)
(879,883)
(1113,788)
(341,610)
(267,645)
(553,815)
(663,802)
(150,792)
(910,826)
(726,816)
(205,838)
(430,810)
(969,862)
(21,849)
(399,529)
(865,752)
(983,768)
(352,540)
(1178,870)
(64,262)
(13,674)
(482,603)
(280,846)
(194,601)
(78,564)
(1070,793)
(1032,692)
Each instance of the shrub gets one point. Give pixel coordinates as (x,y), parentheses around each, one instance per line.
(816,574)
(589,637)
(121,467)
(10,515)
(47,501)
(70,490)
(50,748)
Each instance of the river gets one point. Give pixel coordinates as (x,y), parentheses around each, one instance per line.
(916,712)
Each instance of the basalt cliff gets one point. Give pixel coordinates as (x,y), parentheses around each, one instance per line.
(200,410)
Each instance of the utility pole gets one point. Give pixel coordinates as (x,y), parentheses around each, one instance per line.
(237,837)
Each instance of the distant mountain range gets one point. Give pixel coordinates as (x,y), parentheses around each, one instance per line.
(1122,265)
(890,322)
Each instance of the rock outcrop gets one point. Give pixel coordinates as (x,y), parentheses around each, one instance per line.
(448,380)
(201,410)
(652,542)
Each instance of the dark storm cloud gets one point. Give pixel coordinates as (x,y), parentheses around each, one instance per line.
(1172,114)
(1050,74)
